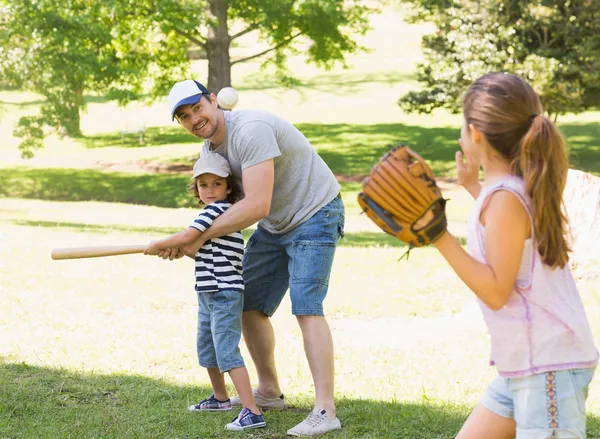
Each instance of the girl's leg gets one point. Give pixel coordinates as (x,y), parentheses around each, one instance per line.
(485,424)
(241,381)
(217,380)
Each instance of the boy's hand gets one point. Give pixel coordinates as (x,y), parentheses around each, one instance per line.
(170,253)
(153,249)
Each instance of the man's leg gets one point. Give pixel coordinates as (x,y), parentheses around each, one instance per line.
(311,253)
(266,280)
(318,346)
(260,340)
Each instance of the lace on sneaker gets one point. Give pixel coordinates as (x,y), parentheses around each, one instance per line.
(315,418)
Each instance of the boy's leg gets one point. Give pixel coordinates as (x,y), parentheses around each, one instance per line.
(241,381)
(217,380)
(207,358)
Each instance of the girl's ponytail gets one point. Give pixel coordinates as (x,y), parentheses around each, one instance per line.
(544,165)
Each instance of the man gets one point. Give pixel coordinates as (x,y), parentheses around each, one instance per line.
(295,198)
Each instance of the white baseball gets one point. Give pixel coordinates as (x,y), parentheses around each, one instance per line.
(227,98)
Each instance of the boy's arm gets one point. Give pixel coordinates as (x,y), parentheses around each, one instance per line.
(258,183)
(175,241)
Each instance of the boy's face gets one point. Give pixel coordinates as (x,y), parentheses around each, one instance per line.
(212,188)
(200,119)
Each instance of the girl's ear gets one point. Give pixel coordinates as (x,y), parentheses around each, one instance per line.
(476,134)
(228,191)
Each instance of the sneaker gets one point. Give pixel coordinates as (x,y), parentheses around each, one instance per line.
(246,420)
(316,423)
(264,403)
(211,404)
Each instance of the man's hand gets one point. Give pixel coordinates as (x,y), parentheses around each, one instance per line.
(191,249)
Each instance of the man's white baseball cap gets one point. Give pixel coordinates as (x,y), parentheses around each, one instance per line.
(186,92)
(212,163)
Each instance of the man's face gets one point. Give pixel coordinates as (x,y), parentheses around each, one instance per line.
(200,119)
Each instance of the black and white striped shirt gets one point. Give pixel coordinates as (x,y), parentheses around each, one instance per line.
(219,261)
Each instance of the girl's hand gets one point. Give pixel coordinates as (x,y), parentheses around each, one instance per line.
(467,171)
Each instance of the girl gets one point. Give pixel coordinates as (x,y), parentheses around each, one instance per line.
(517,266)
(220,288)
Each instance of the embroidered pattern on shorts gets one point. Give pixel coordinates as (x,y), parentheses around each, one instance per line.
(552,403)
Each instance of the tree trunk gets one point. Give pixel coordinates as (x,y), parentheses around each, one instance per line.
(69,114)
(217,48)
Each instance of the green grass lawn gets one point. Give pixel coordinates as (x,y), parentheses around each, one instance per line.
(105,347)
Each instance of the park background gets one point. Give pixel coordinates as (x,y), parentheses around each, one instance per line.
(106,347)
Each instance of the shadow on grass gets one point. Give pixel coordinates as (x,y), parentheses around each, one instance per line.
(351,239)
(351,149)
(163,190)
(153,136)
(336,84)
(44,402)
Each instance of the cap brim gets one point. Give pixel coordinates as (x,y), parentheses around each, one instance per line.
(187,101)
(215,171)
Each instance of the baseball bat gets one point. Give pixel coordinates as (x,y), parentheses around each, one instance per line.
(95,252)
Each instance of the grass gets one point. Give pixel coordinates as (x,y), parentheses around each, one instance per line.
(105,347)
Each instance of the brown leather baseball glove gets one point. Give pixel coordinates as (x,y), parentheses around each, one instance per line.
(400,195)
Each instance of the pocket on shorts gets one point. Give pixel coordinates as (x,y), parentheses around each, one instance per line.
(581,378)
(341,225)
(312,261)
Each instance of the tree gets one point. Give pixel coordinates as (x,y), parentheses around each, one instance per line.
(63,48)
(327,27)
(553,44)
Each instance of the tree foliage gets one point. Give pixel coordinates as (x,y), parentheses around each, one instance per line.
(555,45)
(62,49)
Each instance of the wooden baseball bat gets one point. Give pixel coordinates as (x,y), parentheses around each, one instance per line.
(95,252)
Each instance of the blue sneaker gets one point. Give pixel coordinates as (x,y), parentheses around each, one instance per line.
(246,420)
(211,404)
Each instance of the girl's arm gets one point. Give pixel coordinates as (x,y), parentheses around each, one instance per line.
(177,240)
(506,228)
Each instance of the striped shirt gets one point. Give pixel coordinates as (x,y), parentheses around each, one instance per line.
(219,261)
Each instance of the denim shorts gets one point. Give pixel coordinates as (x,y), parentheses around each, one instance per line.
(220,329)
(545,405)
(300,260)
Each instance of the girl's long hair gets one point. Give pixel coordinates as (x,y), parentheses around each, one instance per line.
(506,109)
(234,196)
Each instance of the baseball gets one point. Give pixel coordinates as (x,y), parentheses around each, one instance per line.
(227,98)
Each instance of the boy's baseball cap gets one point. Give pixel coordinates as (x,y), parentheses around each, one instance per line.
(213,163)
(186,92)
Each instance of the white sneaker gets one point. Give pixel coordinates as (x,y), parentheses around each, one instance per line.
(276,403)
(316,423)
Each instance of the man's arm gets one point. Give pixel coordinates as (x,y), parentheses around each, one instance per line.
(177,240)
(258,183)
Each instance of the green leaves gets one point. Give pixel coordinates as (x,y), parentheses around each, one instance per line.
(127,49)
(554,45)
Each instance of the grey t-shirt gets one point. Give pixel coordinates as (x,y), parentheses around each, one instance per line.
(303,182)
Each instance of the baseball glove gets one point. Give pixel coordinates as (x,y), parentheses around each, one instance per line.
(400,196)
